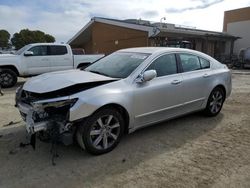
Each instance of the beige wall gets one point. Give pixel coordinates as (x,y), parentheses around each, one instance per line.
(241,29)
(237,23)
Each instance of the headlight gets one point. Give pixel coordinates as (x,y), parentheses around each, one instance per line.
(19,89)
(56,104)
(18,94)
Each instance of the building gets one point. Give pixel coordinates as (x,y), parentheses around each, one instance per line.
(102,35)
(237,22)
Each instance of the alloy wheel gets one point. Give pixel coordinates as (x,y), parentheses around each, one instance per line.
(104,132)
(216,102)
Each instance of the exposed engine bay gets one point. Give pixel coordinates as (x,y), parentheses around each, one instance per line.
(47,114)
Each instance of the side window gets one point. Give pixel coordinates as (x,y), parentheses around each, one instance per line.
(189,62)
(205,64)
(164,65)
(39,50)
(58,50)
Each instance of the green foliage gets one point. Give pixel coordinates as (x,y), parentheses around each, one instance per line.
(4,38)
(26,36)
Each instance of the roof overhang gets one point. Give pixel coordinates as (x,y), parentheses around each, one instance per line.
(195,34)
(84,35)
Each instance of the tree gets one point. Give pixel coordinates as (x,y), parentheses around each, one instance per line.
(26,36)
(4,38)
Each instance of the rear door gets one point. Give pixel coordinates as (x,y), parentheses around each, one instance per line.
(159,99)
(196,78)
(60,58)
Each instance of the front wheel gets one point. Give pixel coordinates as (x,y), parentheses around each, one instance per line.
(8,78)
(101,132)
(215,102)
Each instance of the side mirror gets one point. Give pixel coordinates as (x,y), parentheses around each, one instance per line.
(146,76)
(28,53)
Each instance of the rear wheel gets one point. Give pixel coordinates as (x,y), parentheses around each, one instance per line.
(215,102)
(101,132)
(8,78)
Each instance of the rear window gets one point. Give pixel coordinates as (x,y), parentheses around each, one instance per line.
(205,64)
(58,50)
(189,62)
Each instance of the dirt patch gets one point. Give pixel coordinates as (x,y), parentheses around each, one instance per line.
(192,151)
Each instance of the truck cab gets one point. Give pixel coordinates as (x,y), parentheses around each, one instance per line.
(39,58)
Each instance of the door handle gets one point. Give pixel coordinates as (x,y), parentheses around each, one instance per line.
(205,75)
(175,82)
(45,59)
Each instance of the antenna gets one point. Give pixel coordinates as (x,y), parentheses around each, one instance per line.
(163,18)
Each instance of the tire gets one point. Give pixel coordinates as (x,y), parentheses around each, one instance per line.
(8,78)
(101,132)
(215,102)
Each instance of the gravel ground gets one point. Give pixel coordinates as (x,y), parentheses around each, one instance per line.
(192,151)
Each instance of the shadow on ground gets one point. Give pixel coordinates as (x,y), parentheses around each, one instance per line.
(73,163)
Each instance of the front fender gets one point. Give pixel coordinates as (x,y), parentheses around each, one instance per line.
(10,61)
(91,100)
(84,108)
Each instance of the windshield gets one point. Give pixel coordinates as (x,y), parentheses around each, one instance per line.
(118,64)
(20,51)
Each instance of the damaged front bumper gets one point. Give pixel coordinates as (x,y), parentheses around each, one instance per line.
(48,117)
(27,113)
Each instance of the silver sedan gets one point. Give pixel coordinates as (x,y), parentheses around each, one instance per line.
(126,90)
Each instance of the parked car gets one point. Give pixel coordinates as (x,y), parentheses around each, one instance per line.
(38,58)
(122,92)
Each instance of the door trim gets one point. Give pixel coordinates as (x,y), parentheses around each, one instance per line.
(169,108)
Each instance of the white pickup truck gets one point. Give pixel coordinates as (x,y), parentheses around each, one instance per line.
(38,58)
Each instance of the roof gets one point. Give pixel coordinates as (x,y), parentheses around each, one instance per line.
(159,50)
(195,32)
(153,28)
(146,49)
(85,32)
(48,44)
(155,49)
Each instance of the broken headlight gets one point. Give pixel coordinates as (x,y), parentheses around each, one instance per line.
(52,108)
(18,90)
(54,103)
(18,94)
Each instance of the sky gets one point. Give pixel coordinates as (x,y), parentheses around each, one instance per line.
(64,18)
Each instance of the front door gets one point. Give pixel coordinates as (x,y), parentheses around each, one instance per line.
(159,99)
(39,62)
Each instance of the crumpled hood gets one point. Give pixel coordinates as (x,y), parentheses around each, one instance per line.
(58,80)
